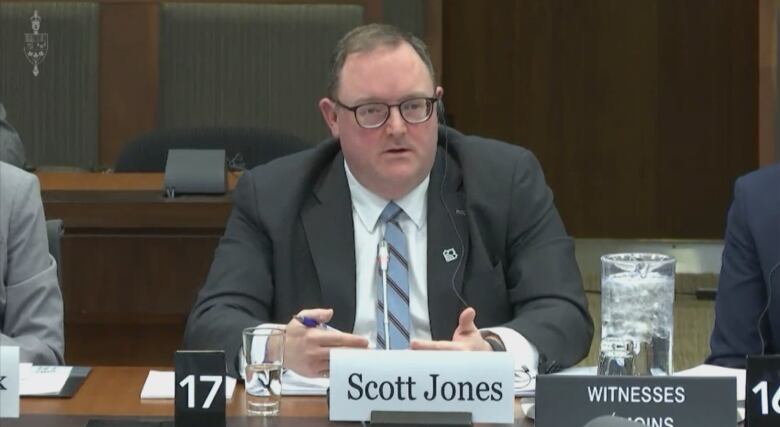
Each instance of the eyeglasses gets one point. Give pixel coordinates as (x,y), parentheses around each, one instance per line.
(375,114)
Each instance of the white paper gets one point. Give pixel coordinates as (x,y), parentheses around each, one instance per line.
(161,385)
(294,384)
(42,380)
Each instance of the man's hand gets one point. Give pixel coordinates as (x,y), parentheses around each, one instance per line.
(307,350)
(466,337)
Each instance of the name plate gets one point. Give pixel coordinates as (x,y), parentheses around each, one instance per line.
(200,387)
(9,382)
(363,381)
(569,400)
(762,394)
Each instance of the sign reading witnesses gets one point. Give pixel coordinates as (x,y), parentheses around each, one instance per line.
(762,394)
(480,383)
(9,382)
(569,400)
(200,388)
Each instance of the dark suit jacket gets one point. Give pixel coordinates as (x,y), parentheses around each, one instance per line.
(751,252)
(289,245)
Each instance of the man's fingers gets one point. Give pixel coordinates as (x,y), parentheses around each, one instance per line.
(435,345)
(338,339)
(321,315)
(466,321)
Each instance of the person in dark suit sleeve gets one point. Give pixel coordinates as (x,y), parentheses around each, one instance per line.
(747,307)
(477,211)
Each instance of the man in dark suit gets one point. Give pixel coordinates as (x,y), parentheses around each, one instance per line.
(484,264)
(747,309)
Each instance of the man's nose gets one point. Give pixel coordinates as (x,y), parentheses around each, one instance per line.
(396,125)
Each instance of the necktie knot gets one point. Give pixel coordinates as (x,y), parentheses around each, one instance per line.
(390,213)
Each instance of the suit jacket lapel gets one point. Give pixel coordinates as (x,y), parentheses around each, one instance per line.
(446,215)
(327,221)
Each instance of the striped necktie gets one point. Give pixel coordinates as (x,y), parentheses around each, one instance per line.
(397,284)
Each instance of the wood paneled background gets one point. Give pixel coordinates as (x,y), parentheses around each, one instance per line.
(642,113)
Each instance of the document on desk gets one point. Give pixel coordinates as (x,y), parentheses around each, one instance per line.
(161,385)
(719,371)
(42,380)
(294,384)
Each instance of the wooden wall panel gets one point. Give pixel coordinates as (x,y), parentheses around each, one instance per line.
(129,62)
(127,296)
(129,96)
(707,111)
(132,264)
(147,278)
(768,112)
(129,74)
(641,113)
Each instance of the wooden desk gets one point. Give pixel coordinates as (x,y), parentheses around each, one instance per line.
(132,263)
(88,181)
(116,391)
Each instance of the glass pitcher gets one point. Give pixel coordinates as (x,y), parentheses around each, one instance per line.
(637,306)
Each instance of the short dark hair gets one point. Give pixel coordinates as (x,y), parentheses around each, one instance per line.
(367,38)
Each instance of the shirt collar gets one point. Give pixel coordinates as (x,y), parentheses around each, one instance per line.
(369,206)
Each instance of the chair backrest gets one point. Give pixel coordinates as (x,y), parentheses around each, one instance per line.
(249,65)
(55,111)
(245,148)
(54,231)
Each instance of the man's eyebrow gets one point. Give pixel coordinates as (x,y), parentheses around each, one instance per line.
(375,100)
(367,100)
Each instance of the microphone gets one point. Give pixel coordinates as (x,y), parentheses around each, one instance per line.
(611,421)
(383,259)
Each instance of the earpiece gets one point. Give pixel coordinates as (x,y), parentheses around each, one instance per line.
(443,122)
(440,112)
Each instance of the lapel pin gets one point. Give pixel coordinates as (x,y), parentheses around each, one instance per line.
(460,212)
(450,255)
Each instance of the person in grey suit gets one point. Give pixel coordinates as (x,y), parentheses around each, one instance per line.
(31,313)
(490,266)
(11,148)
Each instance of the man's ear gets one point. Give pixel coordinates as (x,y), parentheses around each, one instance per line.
(440,114)
(328,110)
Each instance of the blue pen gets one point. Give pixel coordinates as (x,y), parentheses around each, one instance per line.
(312,323)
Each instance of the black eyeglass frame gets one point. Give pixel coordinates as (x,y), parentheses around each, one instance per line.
(433,100)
